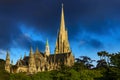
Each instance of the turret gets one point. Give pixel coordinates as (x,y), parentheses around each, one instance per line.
(7,63)
(32,66)
(47,50)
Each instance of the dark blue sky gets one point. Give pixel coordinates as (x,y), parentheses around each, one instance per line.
(93,25)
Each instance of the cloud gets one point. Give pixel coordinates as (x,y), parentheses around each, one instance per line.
(91,43)
(95,44)
(8,31)
(2,51)
(92,16)
(12,36)
(25,42)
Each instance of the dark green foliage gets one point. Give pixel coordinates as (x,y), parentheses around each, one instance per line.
(42,76)
(90,75)
(115,59)
(103,54)
(111,73)
(3,74)
(2,64)
(85,61)
(78,66)
(20,76)
(101,63)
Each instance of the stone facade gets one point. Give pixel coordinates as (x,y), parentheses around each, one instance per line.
(38,61)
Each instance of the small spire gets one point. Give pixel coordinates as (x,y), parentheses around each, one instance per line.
(37,50)
(7,63)
(31,50)
(7,55)
(47,50)
(47,44)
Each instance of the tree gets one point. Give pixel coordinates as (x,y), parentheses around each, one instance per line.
(103,55)
(111,73)
(101,63)
(104,59)
(99,54)
(86,61)
(115,59)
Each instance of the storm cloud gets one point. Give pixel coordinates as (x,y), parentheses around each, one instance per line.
(94,17)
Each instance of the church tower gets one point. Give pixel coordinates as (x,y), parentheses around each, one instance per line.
(62,44)
(7,64)
(47,50)
(31,64)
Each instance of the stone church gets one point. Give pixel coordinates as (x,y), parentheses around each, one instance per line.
(44,61)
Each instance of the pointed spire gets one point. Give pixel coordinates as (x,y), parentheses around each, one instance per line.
(37,50)
(31,62)
(31,50)
(7,63)
(47,44)
(62,43)
(62,24)
(7,55)
(47,50)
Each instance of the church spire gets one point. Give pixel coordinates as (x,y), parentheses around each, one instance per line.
(31,51)
(31,62)
(47,44)
(7,55)
(62,24)
(62,44)
(37,50)
(7,63)
(47,50)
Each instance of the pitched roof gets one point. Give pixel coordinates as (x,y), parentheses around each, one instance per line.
(58,57)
